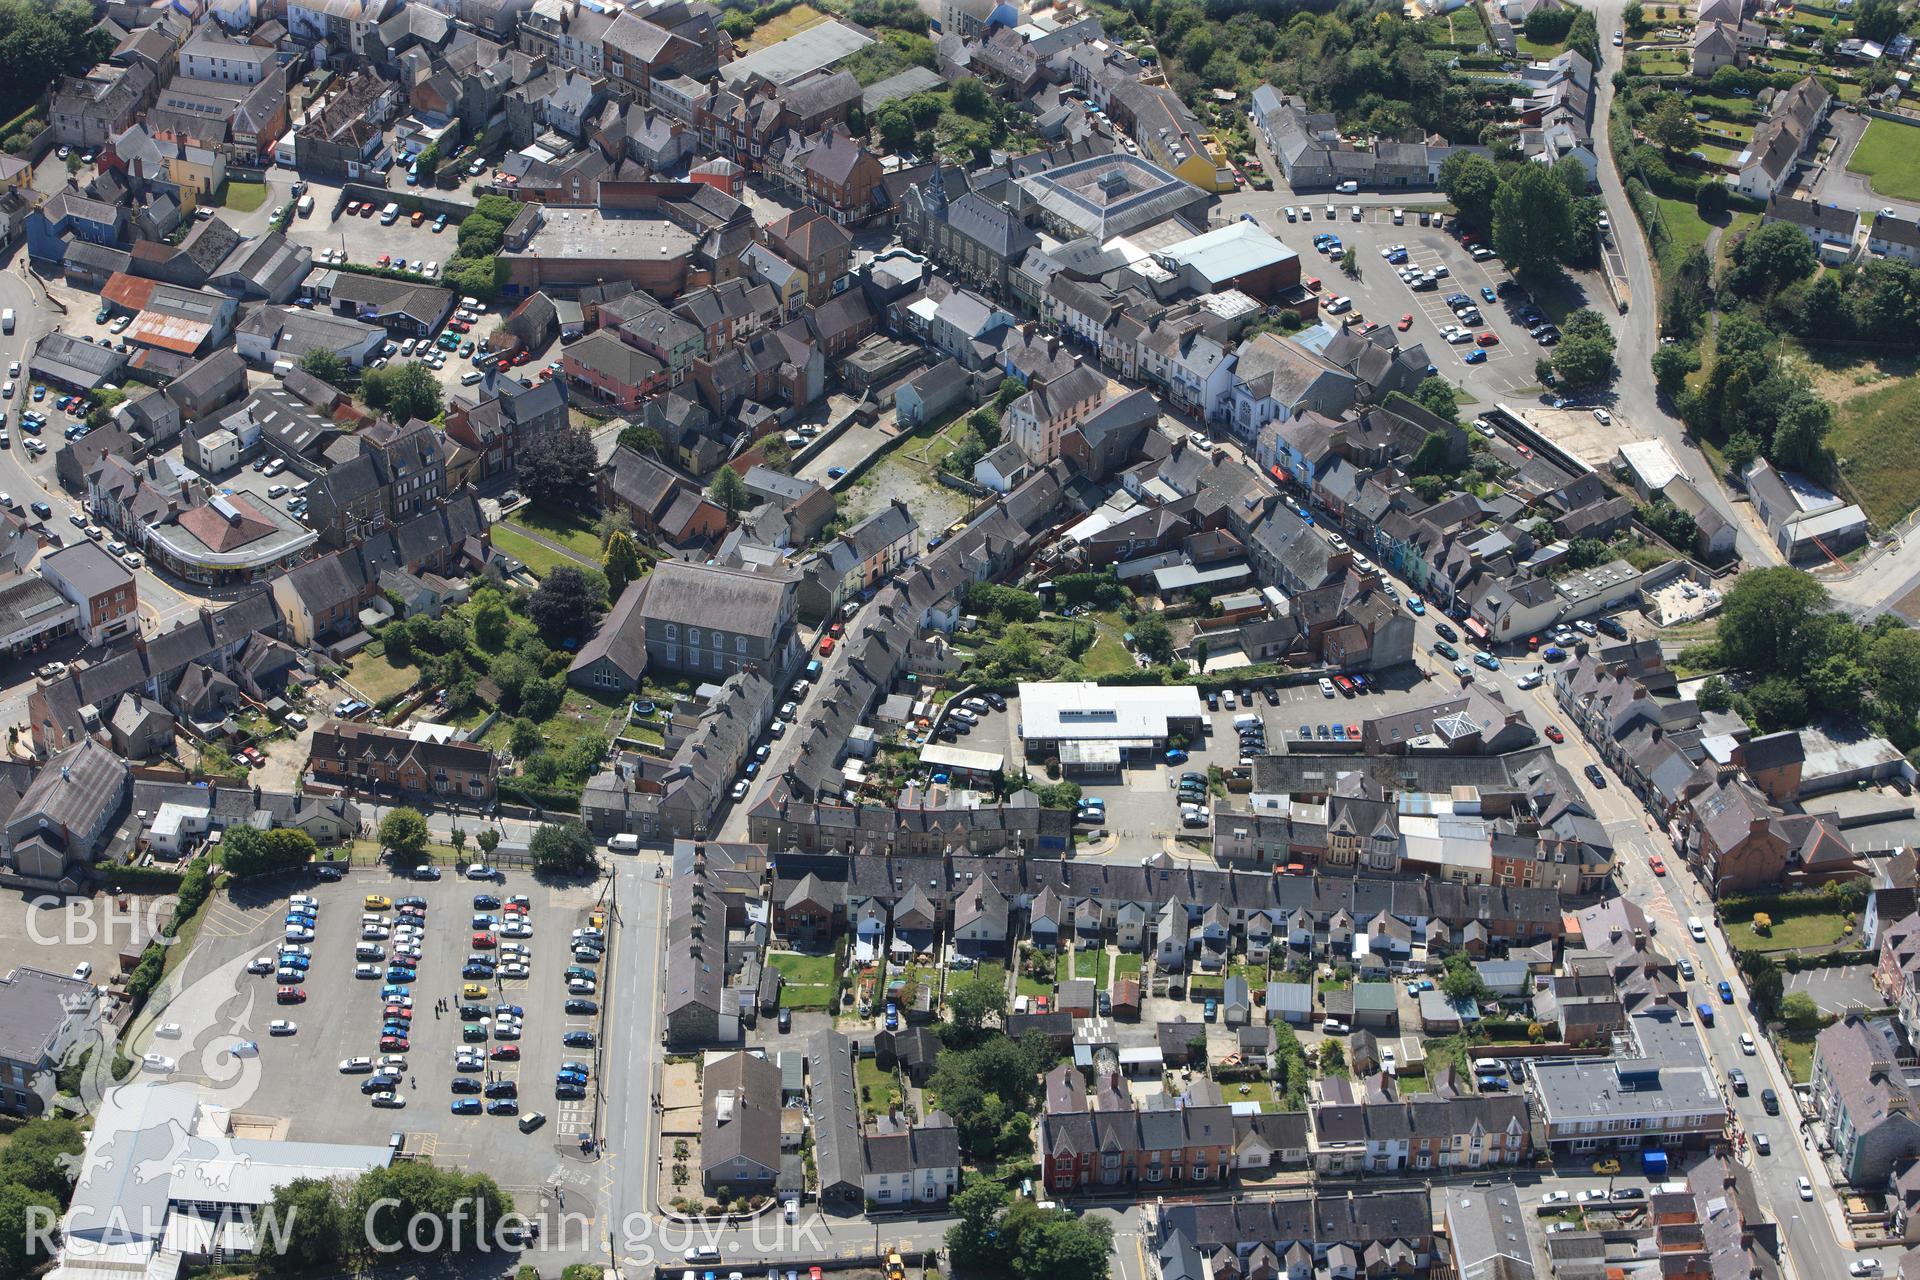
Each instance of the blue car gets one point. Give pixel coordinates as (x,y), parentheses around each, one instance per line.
(306,918)
(1475,356)
(1487,293)
(484,901)
(295,962)
(893,1017)
(1176,756)
(477,971)
(1486,660)
(466,1106)
(398,974)
(577,1068)
(577,1039)
(834,473)
(1726,993)
(390,990)
(1416,606)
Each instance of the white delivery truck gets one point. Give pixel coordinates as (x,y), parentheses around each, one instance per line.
(6,320)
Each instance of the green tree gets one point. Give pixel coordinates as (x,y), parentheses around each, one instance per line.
(640,437)
(1715,694)
(1767,618)
(327,366)
(1435,394)
(558,468)
(1769,258)
(403,833)
(1670,125)
(970,1004)
(1470,180)
(621,563)
(491,622)
(565,606)
(561,848)
(1894,658)
(1634,18)
(1582,362)
(729,490)
(970,98)
(25,1214)
(386,1200)
(1711,200)
(1672,363)
(524,738)
(1463,981)
(1532,221)
(1151,637)
(1740,450)
(1674,526)
(1764,982)
(1799,1012)
(403,391)
(1778,703)
(42,1154)
(1065,1247)
(972,1241)
(309,1224)
(488,840)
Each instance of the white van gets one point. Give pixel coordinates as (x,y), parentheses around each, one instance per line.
(624,843)
(305,207)
(390,215)
(1245,721)
(1698,930)
(470,377)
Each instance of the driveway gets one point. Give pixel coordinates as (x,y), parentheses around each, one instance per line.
(1838,990)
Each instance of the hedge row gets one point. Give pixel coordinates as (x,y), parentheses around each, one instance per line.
(535,795)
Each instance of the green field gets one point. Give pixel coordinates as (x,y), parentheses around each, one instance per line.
(1127,965)
(807,981)
(540,560)
(1889,156)
(568,528)
(1793,933)
(1091,963)
(378,679)
(1877,438)
(1798,1055)
(580,716)
(877,1086)
(244,197)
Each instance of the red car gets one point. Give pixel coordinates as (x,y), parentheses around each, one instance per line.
(386,260)
(505,1052)
(1489,339)
(1353,733)
(393,1044)
(826,646)
(1554,734)
(1406,322)
(290,995)
(1658,864)
(484,941)
(835,630)
(400,1011)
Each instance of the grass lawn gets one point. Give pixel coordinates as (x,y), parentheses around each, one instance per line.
(568,528)
(1685,231)
(539,560)
(933,447)
(378,679)
(1726,108)
(1091,964)
(1202,985)
(580,715)
(807,981)
(1794,933)
(1876,436)
(1798,1055)
(1888,156)
(1107,657)
(991,972)
(1025,986)
(876,1086)
(774,30)
(244,197)
(1126,965)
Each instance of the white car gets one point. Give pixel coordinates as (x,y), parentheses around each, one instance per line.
(1602,417)
(1619,39)
(168,1031)
(1593,1194)
(82,971)
(1864,1267)
(1556,1197)
(1746,1043)
(356,1067)
(390,1100)
(161,1064)
(367,972)
(1806,1189)
(296,933)
(282,1027)
(1326,687)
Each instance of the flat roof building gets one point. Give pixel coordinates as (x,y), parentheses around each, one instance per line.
(1132,718)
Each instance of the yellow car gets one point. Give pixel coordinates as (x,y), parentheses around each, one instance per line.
(1606,1168)
(375,902)
(598,920)
(474,991)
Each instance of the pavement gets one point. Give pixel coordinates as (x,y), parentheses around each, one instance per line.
(1833,183)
